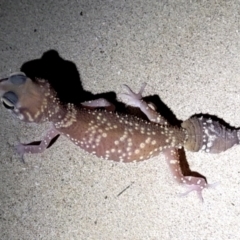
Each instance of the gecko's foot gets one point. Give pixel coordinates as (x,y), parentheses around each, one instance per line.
(20,150)
(131,98)
(198,188)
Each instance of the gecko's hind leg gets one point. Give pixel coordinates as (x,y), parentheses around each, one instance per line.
(192,182)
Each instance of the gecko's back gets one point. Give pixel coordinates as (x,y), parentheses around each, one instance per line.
(120,137)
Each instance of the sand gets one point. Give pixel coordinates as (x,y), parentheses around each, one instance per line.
(188,53)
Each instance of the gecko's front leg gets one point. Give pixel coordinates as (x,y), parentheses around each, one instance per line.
(135,100)
(40,147)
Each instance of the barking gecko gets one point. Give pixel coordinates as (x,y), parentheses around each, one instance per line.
(110,135)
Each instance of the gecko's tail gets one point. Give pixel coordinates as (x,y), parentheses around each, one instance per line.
(209,134)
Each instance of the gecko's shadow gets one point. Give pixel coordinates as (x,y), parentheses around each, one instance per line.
(65,79)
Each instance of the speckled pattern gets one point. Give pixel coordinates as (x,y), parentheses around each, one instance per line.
(187,52)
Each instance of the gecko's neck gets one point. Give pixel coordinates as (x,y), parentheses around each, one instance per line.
(61,115)
(65,116)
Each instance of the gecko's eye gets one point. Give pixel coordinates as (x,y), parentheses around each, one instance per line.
(9,100)
(18,78)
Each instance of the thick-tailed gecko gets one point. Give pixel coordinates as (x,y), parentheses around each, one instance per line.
(110,135)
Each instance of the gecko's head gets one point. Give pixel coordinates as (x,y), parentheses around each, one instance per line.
(24,98)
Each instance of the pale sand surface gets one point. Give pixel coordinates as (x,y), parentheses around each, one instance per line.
(188,53)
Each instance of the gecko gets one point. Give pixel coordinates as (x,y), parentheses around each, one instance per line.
(111,135)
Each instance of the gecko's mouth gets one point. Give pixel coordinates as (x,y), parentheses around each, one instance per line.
(4,79)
